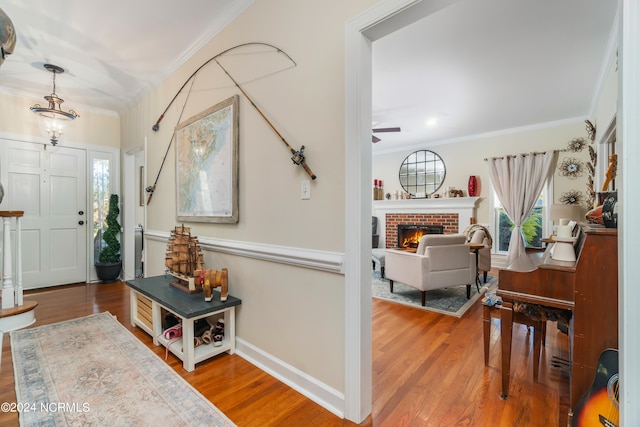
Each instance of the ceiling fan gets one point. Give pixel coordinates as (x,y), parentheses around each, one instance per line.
(375,139)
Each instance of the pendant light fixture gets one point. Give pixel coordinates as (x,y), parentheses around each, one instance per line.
(52,119)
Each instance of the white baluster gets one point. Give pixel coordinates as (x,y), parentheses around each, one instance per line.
(7,278)
(19,301)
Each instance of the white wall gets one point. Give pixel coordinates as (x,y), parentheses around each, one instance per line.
(91,128)
(293,302)
(466,158)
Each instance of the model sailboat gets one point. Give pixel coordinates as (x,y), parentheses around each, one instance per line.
(183,259)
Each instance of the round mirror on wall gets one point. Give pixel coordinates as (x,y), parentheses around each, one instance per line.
(422,173)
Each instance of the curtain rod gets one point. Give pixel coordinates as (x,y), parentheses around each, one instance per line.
(535,153)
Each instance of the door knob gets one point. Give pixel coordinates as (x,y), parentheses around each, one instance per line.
(81,213)
(81,222)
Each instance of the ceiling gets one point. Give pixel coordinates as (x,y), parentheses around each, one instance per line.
(477,66)
(482,66)
(113,52)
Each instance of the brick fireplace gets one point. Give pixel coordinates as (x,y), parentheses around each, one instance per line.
(409,235)
(453,214)
(433,224)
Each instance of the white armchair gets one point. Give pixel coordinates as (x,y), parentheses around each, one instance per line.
(441,261)
(477,233)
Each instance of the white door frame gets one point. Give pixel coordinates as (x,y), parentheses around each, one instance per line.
(629,227)
(374,23)
(133,214)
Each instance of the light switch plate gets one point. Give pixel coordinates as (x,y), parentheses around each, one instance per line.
(305,189)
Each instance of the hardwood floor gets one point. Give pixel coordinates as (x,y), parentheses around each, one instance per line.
(428,370)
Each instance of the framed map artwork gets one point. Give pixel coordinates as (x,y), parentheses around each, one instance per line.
(207,165)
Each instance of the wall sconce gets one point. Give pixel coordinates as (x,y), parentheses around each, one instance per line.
(53,120)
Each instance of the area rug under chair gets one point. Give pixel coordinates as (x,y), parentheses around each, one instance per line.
(93,371)
(450,301)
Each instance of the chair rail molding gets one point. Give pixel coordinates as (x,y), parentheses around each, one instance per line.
(332,262)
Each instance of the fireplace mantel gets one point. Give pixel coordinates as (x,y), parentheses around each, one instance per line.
(463,207)
(443,204)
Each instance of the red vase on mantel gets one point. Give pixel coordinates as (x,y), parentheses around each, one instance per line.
(473,186)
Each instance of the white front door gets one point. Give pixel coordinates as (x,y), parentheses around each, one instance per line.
(49,184)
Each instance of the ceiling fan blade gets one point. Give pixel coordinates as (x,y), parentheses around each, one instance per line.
(396,129)
(375,139)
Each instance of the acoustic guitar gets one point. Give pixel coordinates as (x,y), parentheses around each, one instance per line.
(599,406)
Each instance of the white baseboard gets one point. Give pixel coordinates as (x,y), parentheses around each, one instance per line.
(325,396)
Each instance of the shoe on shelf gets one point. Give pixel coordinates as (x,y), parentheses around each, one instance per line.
(207,336)
(173,332)
(218,333)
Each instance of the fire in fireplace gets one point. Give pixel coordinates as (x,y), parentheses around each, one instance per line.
(409,234)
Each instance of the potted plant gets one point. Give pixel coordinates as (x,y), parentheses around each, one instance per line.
(109,264)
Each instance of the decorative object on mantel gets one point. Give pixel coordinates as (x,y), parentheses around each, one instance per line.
(472,186)
(378,189)
(456,193)
(576,145)
(572,197)
(571,167)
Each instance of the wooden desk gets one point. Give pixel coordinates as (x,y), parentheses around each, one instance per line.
(189,308)
(586,288)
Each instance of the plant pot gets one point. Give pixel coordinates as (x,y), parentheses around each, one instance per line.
(108,272)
